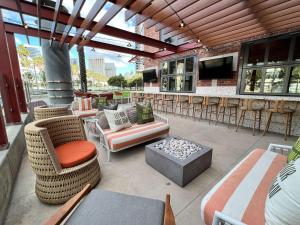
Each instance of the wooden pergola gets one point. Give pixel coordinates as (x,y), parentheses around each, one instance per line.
(195,23)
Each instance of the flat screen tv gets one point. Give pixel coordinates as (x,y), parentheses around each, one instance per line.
(149,76)
(220,68)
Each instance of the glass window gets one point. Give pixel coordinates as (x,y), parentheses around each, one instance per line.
(164,68)
(179,83)
(171,84)
(296,56)
(274,80)
(189,65)
(279,51)
(172,67)
(180,65)
(164,83)
(256,54)
(252,79)
(188,83)
(294,85)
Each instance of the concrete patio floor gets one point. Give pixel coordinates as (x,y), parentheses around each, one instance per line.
(128,173)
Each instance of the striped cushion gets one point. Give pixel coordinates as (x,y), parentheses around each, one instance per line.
(242,193)
(85,104)
(136,134)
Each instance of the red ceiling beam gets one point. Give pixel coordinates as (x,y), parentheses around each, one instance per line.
(95,44)
(181,48)
(47,13)
(75,13)
(109,15)
(98,5)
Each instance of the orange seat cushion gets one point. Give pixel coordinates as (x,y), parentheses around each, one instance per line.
(74,153)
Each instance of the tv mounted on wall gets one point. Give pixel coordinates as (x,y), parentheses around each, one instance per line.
(149,76)
(220,68)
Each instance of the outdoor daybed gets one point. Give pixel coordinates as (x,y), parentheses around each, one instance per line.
(134,135)
(257,191)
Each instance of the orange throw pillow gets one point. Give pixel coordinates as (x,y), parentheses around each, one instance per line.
(74,153)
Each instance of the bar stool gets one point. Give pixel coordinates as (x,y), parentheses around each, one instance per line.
(210,105)
(134,97)
(226,104)
(148,98)
(159,102)
(182,102)
(156,98)
(280,106)
(255,107)
(168,101)
(195,104)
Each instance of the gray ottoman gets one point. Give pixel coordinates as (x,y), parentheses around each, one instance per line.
(177,170)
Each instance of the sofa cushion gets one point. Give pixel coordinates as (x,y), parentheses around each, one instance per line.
(74,153)
(102,120)
(117,120)
(242,193)
(295,152)
(111,208)
(283,201)
(85,104)
(136,134)
(144,113)
(130,111)
(86,113)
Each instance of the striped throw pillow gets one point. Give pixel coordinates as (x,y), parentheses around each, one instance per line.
(85,104)
(295,153)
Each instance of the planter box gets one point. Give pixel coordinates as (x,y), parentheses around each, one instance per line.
(179,171)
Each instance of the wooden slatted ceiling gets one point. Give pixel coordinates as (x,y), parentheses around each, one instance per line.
(230,19)
(98,5)
(137,7)
(109,15)
(75,13)
(154,8)
(54,23)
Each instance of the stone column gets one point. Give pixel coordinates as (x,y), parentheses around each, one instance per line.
(58,72)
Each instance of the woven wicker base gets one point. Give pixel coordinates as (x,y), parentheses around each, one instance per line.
(59,189)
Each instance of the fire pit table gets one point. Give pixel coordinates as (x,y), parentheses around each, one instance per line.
(178,159)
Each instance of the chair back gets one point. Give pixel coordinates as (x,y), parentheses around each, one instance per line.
(45,112)
(251,104)
(196,99)
(225,101)
(283,106)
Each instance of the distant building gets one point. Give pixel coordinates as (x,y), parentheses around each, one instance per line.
(96,65)
(110,69)
(34,51)
(73,61)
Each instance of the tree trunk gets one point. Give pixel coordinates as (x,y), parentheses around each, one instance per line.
(82,69)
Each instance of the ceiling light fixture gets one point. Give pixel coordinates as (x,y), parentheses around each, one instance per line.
(165,49)
(25,25)
(53,38)
(93,50)
(198,40)
(129,45)
(181,24)
(83,37)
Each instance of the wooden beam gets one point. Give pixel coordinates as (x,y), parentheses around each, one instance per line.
(154,8)
(94,44)
(22,19)
(54,23)
(98,5)
(47,13)
(137,7)
(75,13)
(38,11)
(109,15)
(167,12)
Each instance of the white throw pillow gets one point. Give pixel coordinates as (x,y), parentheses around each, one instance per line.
(283,200)
(117,120)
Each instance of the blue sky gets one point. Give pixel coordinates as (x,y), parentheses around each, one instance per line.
(119,59)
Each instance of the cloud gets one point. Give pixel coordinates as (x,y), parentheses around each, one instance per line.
(18,41)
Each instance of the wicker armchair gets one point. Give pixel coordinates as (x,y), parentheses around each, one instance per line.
(54,184)
(45,112)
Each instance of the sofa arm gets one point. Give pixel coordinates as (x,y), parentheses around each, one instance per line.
(221,218)
(161,118)
(102,137)
(281,149)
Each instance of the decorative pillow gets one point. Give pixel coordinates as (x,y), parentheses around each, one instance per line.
(130,111)
(109,107)
(144,113)
(98,101)
(75,104)
(102,120)
(85,104)
(295,153)
(283,200)
(117,120)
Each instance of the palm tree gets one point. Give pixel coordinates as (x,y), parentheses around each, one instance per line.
(82,68)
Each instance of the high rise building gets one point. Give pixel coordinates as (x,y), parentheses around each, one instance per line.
(110,69)
(96,64)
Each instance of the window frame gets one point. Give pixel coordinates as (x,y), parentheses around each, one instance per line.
(288,64)
(183,75)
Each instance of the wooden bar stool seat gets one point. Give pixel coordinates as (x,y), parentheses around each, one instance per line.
(255,107)
(195,104)
(182,102)
(228,104)
(282,108)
